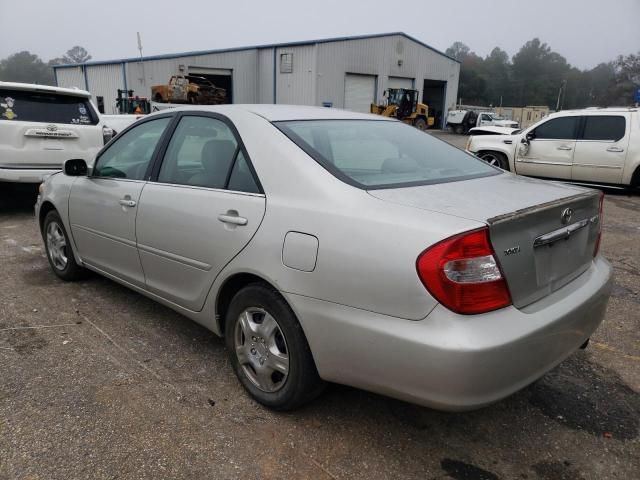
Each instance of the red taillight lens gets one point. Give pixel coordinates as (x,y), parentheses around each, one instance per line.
(600,220)
(462,273)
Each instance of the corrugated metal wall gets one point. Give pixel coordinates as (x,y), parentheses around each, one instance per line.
(104,81)
(70,77)
(393,56)
(299,86)
(318,74)
(243,64)
(265,75)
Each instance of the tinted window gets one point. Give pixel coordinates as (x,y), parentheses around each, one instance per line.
(241,179)
(129,155)
(563,128)
(46,107)
(200,153)
(602,127)
(378,154)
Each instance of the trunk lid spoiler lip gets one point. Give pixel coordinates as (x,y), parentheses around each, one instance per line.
(539,208)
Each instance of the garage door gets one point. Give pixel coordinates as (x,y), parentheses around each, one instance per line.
(220,77)
(359,92)
(400,82)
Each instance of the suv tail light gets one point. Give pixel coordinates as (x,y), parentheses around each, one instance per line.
(600,219)
(462,273)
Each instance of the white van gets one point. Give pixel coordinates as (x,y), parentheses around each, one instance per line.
(42,126)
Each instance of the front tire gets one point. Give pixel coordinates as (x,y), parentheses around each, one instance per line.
(496,159)
(59,250)
(268,350)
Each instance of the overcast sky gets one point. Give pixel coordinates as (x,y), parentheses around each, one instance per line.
(586,32)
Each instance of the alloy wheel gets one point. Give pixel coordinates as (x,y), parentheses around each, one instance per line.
(57,246)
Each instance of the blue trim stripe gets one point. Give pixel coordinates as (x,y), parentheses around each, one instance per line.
(254,47)
(86,79)
(124,76)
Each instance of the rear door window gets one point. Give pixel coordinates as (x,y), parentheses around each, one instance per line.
(46,107)
(563,128)
(604,127)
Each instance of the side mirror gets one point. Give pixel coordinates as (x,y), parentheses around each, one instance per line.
(530,136)
(75,167)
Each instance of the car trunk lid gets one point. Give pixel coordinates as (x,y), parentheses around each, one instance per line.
(543,233)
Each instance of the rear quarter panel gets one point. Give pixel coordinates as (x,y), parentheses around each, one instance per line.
(632,160)
(367,247)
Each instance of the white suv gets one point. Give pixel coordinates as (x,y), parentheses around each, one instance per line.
(595,146)
(42,126)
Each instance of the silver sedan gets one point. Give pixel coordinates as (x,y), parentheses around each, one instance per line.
(330,246)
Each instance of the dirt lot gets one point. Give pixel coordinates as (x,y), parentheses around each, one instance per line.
(99,382)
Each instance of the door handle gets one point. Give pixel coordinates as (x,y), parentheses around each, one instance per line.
(564,147)
(615,149)
(125,202)
(233,219)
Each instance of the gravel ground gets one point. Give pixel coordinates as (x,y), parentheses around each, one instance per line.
(99,382)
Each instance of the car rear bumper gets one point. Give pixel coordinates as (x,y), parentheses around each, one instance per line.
(25,175)
(450,361)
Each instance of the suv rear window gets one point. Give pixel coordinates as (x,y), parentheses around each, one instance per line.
(372,154)
(603,127)
(46,107)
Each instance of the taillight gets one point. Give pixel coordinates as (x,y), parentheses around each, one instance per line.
(462,273)
(600,220)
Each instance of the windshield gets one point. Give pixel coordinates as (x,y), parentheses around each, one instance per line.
(382,154)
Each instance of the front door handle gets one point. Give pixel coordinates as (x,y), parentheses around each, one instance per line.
(564,147)
(127,202)
(615,149)
(232,218)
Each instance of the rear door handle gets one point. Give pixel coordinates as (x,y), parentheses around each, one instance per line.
(232,219)
(564,147)
(615,149)
(126,202)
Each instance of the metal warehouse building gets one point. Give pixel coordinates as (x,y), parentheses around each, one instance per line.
(349,72)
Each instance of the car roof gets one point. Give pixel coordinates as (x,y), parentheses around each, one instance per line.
(591,110)
(275,113)
(34,87)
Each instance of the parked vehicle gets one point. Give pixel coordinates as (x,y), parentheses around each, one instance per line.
(129,104)
(461,121)
(402,103)
(327,245)
(595,146)
(492,130)
(42,126)
(189,89)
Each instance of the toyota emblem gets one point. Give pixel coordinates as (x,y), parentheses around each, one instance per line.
(52,128)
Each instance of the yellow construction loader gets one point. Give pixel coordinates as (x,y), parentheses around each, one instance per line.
(402,103)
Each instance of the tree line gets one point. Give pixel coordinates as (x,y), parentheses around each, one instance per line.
(537,75)
(27,67)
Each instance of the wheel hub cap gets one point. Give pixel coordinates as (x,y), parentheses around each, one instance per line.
(57,246)
(261,349)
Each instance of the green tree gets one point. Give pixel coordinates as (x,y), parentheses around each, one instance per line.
(458,51)
(26,67)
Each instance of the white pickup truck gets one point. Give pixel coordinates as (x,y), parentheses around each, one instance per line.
(593,146)
(461,121)
(42,126)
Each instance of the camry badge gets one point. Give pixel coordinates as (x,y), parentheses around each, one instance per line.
(566,216)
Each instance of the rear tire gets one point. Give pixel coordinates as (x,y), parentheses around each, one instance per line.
(496,159)
(59,250)
(420,123)
(268,349)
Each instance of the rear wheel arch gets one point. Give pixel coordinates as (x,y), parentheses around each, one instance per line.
(228,290)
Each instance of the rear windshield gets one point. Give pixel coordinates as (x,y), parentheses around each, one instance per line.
(46,107)
(373,154)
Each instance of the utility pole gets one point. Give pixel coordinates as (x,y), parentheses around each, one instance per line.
(562,85)
(143,79)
